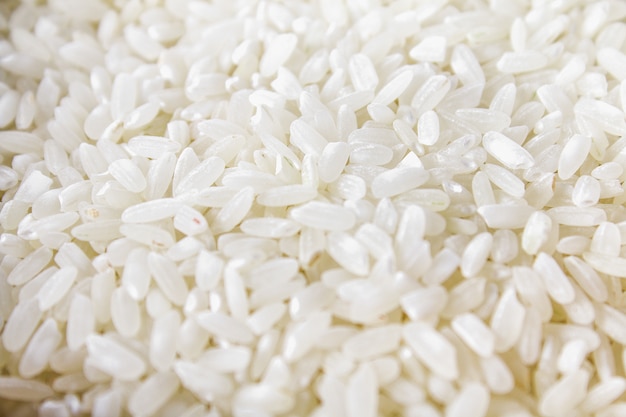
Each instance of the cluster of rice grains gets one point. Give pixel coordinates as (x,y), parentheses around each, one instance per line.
(327,208)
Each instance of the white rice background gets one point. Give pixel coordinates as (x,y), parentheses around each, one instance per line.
(325,208)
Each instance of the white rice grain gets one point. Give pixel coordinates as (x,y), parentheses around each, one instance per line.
(114,358)
(433,349)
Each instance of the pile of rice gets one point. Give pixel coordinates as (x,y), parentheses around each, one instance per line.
(324,208)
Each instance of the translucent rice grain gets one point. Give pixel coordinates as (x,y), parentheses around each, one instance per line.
(370,154)
(45,341)
(362,73)
(234,211)
(606,239)
(498,376)
(433,200)
(152,147)
(606,264)
(608,117)
(465,296)
(162,343)
(603,393)
(424,303)
(537,232)
(151,211)
(302,336)
(264,318)
(361,397)
(565,394)
(324,216)
(587,191)
(152,236)
(475,254)
(607,171)
(30,266)
(279,50)
(56,287)
(306,138)
(348,252)
(202,381)
(14,246)
(8,107)
(18,389)
(141,116)
(80,323)
(270,227)
(125,313)
(478,337)
(102,287)
(272,143)
(153,393)
(507,321)
(236,296)
(314,297)
(394,88)
(209,268)
(532,291)
(266,397)
(505,246)
(481,190)
(374,239)
(520,62)
(397,181)
(159,176)
(571,356)
(430,93)
(430,49)
(442,266)
(573,155)
(349,187)
(428,128)
(506,151)
(315,67)
(472,401)
(15,142)
(577,216)
(231,359)
(115,359)
(581,310)
(333,160)
(529,344)
(168,278)
(202,86)
(466,66)
(483,120)
(504,99)
(260,181)
(190,221)
(408,136)
(123,96)
(225,327)
(128,175)
(505,180)
(612,61)
(433,349)
(32,187)
(557,283)
(203,175)
(587,278)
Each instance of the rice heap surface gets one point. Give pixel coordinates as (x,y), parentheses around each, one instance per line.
(325,208)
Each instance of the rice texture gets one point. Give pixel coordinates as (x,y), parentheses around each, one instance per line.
(312,208)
